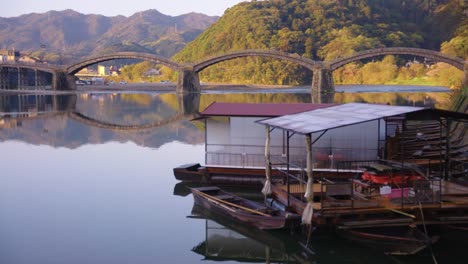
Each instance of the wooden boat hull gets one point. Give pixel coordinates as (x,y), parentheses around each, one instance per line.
(220,202)
(221,175)
(189,172)
(240,176)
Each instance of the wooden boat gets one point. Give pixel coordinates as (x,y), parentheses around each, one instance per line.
(221,175)
(242,210)
(393,240)
(193,172)
(240,176)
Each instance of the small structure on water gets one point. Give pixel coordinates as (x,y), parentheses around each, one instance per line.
(355,167)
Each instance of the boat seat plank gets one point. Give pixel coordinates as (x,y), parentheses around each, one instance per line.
(377,222)
(226,197)
(208,188)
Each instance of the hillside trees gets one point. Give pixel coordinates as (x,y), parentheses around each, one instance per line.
(325,30)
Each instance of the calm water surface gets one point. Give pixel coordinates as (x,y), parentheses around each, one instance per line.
(88,178)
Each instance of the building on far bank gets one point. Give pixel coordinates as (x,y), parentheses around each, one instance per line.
(16,56)
(9,55)
(103,70)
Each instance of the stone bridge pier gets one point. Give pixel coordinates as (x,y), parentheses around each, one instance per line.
(189,81)
(63,81)
(4,79)
(22,78)
(322,90)
(189,103)
(465,79)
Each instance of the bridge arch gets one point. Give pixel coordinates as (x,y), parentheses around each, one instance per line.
(205,63)
(31,66)
(73,69)
(102,124)
(437,56)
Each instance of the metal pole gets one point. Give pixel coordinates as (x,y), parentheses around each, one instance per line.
(206,141)
(378,140)
(440,147)
(35,79)
(447,149)
(287,164)
(19,78)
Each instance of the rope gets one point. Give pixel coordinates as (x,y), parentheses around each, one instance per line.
(425,231)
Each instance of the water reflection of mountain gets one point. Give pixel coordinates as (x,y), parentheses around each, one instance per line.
(74,120)
(52,120)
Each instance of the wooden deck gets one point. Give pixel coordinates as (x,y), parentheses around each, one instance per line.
(448,189)
(297,189)
(452,188)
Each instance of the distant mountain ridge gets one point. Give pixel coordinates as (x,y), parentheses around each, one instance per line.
(68,35)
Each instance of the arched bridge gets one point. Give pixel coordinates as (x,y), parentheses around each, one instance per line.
(73,69)
(430,54)
(50,68)
(322,82)
(294,58)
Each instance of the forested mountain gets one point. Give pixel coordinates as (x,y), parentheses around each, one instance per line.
(324,30)
(69,35)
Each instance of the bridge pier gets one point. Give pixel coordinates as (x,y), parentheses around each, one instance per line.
(322,90)
(189,103)
(188,82)
(4,79)
(61,80)
(23,81)
(465,80)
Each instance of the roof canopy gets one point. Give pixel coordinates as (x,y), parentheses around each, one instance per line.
(259,110)
(336,116)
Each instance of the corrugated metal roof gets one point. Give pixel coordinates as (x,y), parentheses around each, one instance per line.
(259,110)
(336,116)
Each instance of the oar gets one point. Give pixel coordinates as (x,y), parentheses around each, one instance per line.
(209,197)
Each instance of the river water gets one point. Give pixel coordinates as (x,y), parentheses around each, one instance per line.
(87,178)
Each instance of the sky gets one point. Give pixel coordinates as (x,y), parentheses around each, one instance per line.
(117,7)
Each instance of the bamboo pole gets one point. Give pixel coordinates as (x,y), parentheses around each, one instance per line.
(400,212)
(308,213)
(209,197)
(267,186)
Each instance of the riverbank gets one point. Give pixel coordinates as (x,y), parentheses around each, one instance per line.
(171,88)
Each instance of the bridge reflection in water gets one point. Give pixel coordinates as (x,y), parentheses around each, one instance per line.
(16,108)
(150,120)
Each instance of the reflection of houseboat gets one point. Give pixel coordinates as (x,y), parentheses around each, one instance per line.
(308,152)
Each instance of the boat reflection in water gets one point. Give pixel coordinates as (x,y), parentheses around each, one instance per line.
(226,240)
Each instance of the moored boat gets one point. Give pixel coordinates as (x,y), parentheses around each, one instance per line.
(220,175)
(193,172)
(242,210)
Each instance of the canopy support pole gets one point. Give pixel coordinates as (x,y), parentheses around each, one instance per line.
(309,194)
(267,186)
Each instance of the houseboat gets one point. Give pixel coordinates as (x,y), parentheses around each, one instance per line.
(352,167)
